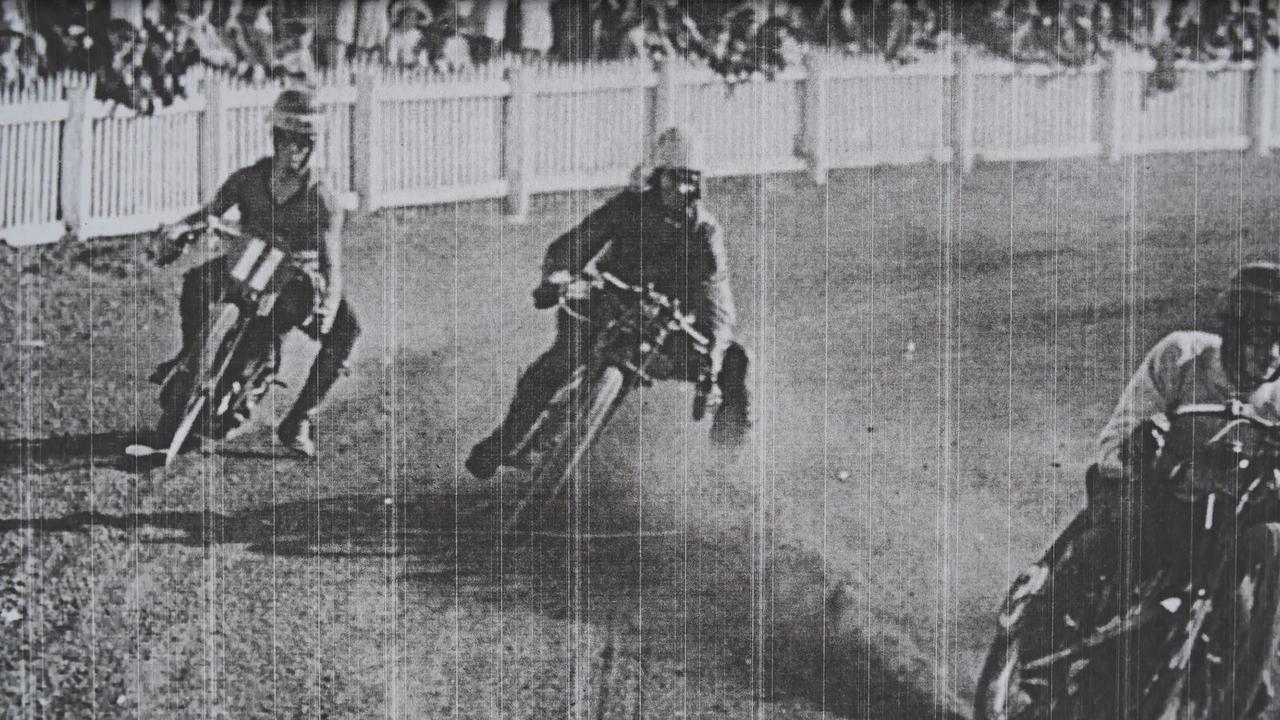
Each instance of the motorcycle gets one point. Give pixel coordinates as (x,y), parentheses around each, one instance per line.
(1180,624)
(210,391)
(627,352)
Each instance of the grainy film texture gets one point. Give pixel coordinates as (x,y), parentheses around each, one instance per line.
(595,359)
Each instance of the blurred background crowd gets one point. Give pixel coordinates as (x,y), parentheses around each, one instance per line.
(139,51)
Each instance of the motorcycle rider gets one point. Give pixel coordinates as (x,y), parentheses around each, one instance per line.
(286,204)
(657,233)
(1240,361)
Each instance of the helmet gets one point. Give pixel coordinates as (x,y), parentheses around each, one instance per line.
(296,111)
(676,150)
(1252,296)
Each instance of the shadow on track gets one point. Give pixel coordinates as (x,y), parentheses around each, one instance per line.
(446,536)
(68,452)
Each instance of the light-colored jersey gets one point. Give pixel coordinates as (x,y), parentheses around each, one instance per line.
(1183,368)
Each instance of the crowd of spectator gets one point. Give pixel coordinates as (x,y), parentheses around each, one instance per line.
(140,51)
(1075,32)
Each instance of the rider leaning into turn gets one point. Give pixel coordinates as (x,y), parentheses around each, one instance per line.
(283,202)
(659,234)
(1238,362)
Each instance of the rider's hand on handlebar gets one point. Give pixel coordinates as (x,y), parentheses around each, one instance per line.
(558,283)
(168,245)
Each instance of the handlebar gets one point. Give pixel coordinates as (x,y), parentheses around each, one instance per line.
(178,238)
(212,224)
(1235,410)
(607,282)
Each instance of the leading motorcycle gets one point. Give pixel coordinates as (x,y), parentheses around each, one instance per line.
(1181,622)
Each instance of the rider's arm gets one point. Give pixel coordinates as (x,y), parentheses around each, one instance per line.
(227,197)
(1150,394)
(573,250)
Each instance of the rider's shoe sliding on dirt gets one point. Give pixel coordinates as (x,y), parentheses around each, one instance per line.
(283,202)
(661,235)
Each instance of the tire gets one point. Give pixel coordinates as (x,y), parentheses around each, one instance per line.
(595,407)
(1242,631)
(999,695)
(184,399)
(1028,612)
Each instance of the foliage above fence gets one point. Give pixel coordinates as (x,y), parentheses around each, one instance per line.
(404,137)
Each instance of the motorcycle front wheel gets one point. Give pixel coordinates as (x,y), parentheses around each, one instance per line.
(1223,672)
(594,406)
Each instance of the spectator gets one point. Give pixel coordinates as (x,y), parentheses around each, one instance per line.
(1183,27)
(927,32)
(241,37)
(778,39)
(610,20)
(647,36)
(899,43)
(22,51)
(535,28)
(444,47)
(836,23)
(65,25)
(372,26)
(406,41)
(198,30)
(121,79)
(1075,34)
(335,31)
(489,27)
(295,52)
(1102,21)
(571,29)
(164,63)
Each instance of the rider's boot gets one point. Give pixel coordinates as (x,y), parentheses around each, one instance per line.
(485,457)
(732,421)
(298,434)
(297,430)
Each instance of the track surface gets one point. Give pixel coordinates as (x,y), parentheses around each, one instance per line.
(952,348)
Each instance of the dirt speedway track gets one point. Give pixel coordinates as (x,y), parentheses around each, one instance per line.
(953,348)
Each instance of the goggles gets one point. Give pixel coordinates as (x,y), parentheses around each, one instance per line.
(686,182)
(292,139)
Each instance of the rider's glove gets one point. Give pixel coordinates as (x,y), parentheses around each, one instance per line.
(548,293)
(168,245)
(545,296)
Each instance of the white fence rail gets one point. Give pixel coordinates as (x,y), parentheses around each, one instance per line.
(68,162)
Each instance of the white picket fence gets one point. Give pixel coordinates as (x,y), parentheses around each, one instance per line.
(404,138)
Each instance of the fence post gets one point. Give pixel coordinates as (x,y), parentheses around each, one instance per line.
(664,102)
(77,152)
(213,137)
(1111,112)
(814,142)
(366,145)
(962,103)
(1263,99)
(519,143)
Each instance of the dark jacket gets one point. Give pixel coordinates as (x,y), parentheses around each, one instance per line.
(634,241)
